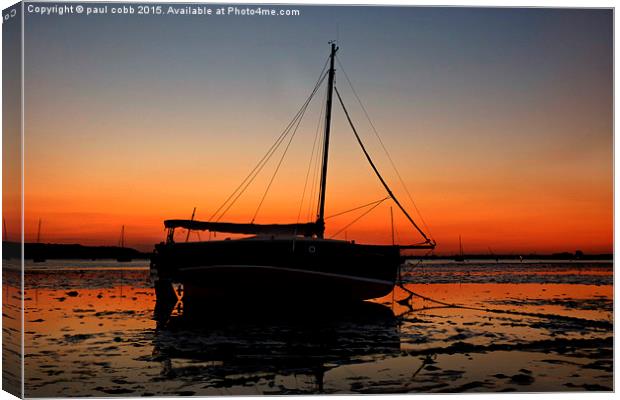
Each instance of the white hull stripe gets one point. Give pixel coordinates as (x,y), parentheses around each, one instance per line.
(302,271)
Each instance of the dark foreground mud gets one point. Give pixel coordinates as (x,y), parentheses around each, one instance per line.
(90,332)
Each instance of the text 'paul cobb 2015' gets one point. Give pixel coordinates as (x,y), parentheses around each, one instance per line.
(153,9)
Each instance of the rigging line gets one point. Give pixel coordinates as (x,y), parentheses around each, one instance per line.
(265,158)
(315,176)
(400,178)
(357,208)
(258,168)
(358,218)
(253,177)
(316,136)
(254,173)
(260,204)
(273,146)
(387,188)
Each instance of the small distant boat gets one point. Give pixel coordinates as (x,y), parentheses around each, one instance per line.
(39,257)
(123,256)
(5,239)
(461,256)
(283,262)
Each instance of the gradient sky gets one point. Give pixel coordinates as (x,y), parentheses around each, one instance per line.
(11,127)
(500,121)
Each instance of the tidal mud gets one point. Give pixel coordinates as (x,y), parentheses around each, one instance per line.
(536,335)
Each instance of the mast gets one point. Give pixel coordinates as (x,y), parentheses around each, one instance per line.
(122,236)
(39,232)
(328,118)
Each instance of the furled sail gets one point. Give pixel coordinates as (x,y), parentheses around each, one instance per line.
(306,229)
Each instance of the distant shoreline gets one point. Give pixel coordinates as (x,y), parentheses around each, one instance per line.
(52,251)
(554,256)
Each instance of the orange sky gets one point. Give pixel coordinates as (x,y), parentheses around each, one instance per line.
(509,206)
(554,197)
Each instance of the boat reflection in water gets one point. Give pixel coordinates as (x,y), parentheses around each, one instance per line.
(226,346)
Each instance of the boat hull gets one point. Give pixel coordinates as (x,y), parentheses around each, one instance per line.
(276,270)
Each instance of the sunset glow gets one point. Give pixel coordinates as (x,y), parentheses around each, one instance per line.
(499,121)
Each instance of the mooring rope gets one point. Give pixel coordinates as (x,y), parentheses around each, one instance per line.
(581,321)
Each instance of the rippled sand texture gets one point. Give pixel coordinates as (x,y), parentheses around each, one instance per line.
(90,332)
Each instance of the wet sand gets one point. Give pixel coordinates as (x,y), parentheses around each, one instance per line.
(534,327)
(11,327)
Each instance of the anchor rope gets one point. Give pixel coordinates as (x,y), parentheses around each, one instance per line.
(583,321)
(400,284)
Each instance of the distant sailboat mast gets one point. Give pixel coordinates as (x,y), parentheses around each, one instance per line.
(39,232)
(122,239)
(460,257)
(39,253)
(122,254)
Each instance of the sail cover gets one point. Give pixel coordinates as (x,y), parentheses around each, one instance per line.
(307,229)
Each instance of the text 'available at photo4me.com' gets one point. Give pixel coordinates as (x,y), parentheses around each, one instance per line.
(93,9)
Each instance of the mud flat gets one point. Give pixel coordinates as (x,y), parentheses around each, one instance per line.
(90,332)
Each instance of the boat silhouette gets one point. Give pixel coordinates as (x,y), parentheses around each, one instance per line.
(123,254)
(39,256)
(292,261)
(460,257)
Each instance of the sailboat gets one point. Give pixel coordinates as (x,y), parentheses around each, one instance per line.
(6,253)
(460,257)
(282,262)
(39,256)
(123,256)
